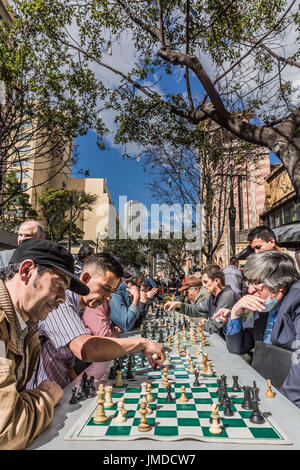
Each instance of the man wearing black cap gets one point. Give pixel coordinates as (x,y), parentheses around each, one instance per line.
(34,283)
(64,336)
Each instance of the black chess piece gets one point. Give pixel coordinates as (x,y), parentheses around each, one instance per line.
(235,385)
(196,382)
(80,394)
(92,388)
(228,411)
(73,400)
(169,397)
(112,373)
(256,416)
(129,375)
(247,402)
(218,391)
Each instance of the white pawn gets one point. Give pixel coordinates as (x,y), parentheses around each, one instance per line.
(120,418)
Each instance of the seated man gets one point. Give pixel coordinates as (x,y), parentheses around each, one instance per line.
(32,285)
(125,302)
(194,289)
(64,336)
(219,297)
(274,297)
(147,297)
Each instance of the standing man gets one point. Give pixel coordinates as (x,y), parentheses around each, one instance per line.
(235,278)
(83,254)
(28,229)
(31,285)
(262,238)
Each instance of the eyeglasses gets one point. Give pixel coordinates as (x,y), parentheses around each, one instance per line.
(258,285)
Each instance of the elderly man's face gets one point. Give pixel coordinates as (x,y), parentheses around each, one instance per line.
(192,292)
(27,231)
(44,293)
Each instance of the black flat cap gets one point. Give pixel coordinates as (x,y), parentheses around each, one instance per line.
(47,253)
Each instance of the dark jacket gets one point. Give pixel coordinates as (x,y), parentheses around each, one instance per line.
(285,334)
(206,309)
(235,279)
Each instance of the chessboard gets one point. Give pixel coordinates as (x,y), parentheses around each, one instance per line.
(180,401)
(172,328)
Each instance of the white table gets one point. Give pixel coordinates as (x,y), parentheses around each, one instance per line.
(284,413)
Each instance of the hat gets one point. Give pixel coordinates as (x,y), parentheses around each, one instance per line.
(147,283)
(192,281)
(47,253)
(126,274)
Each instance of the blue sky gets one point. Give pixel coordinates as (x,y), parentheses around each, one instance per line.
(124,177)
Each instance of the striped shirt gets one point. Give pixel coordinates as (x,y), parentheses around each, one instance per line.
(56,332)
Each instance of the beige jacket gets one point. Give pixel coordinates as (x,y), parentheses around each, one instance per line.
(24,414)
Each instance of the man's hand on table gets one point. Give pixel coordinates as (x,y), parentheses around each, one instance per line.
(54,390)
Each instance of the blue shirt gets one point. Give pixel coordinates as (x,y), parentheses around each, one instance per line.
(235,326)
(123,313)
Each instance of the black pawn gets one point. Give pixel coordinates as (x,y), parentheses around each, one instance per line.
(228,411)
(169,397)
(196,382)
(73,400)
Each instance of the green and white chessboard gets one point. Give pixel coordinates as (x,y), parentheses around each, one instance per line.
(175,421)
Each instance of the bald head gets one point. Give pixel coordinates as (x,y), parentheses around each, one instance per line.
(30,229)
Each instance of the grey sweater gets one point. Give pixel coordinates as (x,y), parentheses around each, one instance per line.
(206,309)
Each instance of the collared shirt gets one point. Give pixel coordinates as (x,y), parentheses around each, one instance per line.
(56,332)
(123,313)
(24,333)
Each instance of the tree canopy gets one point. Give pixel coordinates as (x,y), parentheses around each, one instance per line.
(234,62)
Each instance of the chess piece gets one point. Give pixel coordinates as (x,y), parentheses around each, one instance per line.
(165,381)
(256,416)
(215,427)
(184,351)
(73,399)
(108,400)
(150,397)
(144,425)
(209,371)
(183,397)
(119,381)
(100,416)
(196,382)
(123,406)
(269,392)
(228,411)
(235,385)
(169,397)
(247,402)
(120,417)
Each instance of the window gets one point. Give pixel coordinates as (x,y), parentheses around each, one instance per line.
(25,149)
(21,174)
(23,162)
(24,186)
(24,136)
(25,125)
